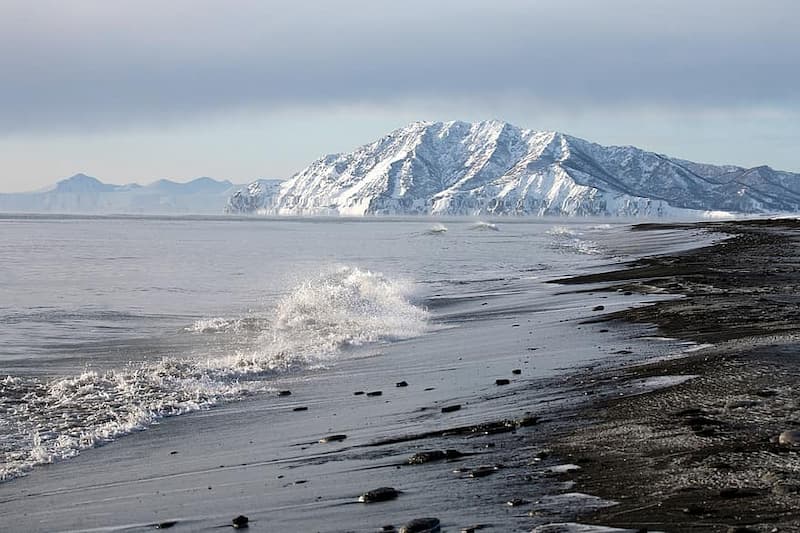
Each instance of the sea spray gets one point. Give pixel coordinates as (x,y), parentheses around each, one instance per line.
(325,314)
(348,306)
(47,420)
(572,240)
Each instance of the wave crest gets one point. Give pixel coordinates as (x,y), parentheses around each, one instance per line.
(50,420)
(347,307)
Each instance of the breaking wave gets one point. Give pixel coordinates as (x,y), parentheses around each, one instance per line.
(484,226)
(437,229)
(47,420)
(571,240)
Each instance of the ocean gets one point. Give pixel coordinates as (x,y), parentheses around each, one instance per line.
(130,344)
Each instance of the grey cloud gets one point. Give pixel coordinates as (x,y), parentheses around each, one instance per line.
(98,64)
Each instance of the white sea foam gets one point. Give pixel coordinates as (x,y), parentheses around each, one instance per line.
(437,229)
(572,527)
(576,501)
(562,231)
(45,421)
(210,325)
(571,240)
(484,226)
(321,316)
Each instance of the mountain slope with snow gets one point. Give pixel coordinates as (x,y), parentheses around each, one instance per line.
(494,168)
(254,197)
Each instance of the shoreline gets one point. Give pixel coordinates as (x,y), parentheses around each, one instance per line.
(702,454)
(266,459)
(274,460)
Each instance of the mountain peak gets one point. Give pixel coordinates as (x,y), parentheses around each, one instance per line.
(495,168)
(80,183)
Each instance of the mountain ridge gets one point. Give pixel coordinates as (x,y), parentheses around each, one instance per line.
(81,193)
(496,168)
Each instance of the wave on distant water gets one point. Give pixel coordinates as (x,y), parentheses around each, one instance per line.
(571,240)
(43,421)
(484,226)
(437,229)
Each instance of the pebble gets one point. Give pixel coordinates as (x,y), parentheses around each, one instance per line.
(740,404)
(698,422)
(332,438)
(381,494)
(483,471)
(766,393)
(451,408)
(526,421)
(240,522)
(434,455)
(736,492)
(789,437)
(694,510)
(784,489)
(422,525)
(689,411)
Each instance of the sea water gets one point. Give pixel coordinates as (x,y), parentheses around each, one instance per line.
(112,327)
(108,324)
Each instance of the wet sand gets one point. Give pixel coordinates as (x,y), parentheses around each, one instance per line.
(703,454)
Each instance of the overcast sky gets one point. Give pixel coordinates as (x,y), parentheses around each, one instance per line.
(140,90)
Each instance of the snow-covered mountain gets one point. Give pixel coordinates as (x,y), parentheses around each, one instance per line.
(85,194)
(494,168)
(252,198)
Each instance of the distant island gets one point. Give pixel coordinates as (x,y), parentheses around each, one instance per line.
(494,168)
(87,195)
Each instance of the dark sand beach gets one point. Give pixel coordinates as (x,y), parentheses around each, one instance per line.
(704,454)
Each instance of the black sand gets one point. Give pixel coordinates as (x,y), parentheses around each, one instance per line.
(703,455)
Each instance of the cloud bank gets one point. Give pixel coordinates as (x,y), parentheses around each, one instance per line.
(96,65)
